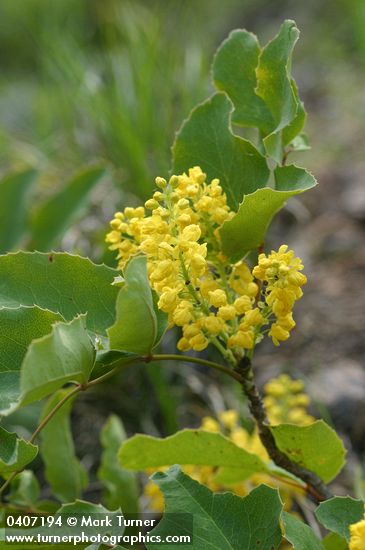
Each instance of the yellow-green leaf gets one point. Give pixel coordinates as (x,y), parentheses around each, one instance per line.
(315,447)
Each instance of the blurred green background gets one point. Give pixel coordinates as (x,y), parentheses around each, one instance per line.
(88,83)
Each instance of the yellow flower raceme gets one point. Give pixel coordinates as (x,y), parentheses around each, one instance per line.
(212,299)
(357,531)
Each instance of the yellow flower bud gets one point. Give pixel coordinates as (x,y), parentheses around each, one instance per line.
(227,312)
(217,298)
(151,204)
(199,342)
(213,324)
(174,181)
(253,317)
(191,233)
(168,298)
(161,182)
(183,344)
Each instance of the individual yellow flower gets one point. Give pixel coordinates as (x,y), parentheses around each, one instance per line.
(357,531)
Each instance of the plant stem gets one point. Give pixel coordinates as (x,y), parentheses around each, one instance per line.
(314,485)
(197,360)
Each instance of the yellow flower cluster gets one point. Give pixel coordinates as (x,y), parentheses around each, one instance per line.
(280,273)
(357,531)
(285,401)
(213,300)
(279,393)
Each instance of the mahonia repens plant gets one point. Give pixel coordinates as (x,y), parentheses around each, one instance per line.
(192,257)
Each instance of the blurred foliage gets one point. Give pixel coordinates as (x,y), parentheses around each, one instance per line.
(85,81)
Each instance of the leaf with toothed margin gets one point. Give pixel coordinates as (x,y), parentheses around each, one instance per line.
(64,355)
(19,326)
(206,140)
(62,283)
(246,230)
(221,521)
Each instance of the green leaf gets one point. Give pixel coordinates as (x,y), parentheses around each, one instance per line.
(292,131)
(63,470)
(220,521)
(19,326)
(338,513)
(246,230)
(138,325)
(315,447)
(234,72)
(24,490)
(15,453)
(59,282)
(81,508)
(65,355)
(121,490)
(54,216)
(14,192)
(300,535)
(274,86)
(189,447)
(107,360)
(206,140)
(334,542)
